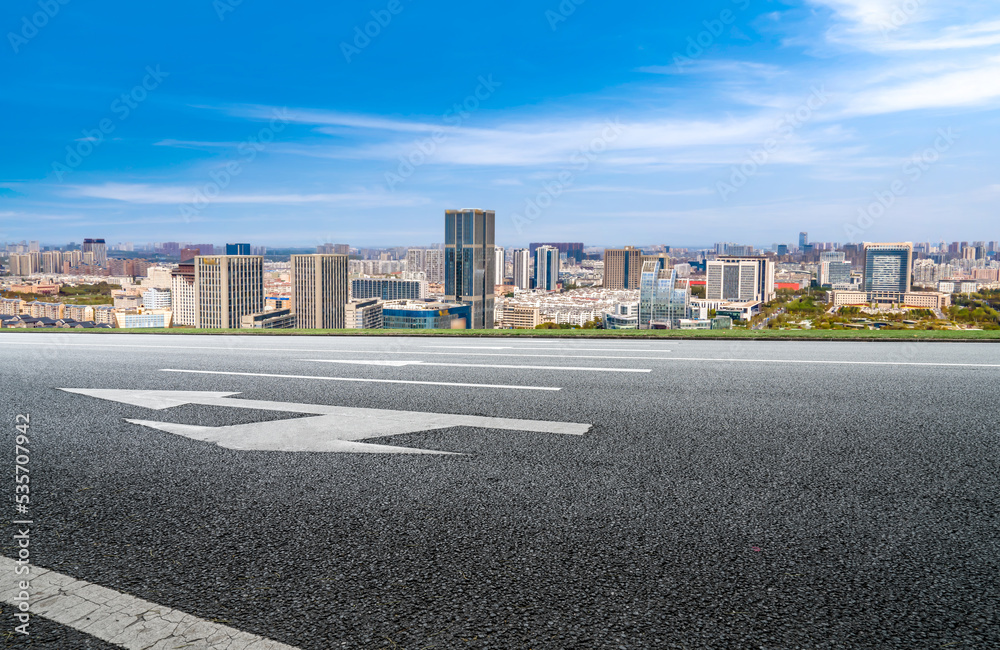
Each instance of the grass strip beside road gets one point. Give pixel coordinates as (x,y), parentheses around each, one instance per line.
(985,336)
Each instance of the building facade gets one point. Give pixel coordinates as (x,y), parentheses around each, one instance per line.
(388,289)
(622,268)
(547,268)
(888,267)
(405,314)
(364,314)
(740,279)
(319,290)
(663,298)
(522,268)
(469,263)
(227,287)
(182,295)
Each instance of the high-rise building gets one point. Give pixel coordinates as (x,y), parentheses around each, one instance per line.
(434,265)
(663,298)
(99,248)
(522,268)
(740,279)
(415,260)
(546,268)
(182,294)
(469,263)
(622,268)
(501,265)
(188,254)
(319,290)
(803,240)
(227,287)
(238,249)
(888,267)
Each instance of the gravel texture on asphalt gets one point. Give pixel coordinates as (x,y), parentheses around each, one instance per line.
(713,504)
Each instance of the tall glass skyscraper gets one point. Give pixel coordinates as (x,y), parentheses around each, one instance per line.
(663,299)
(469,262)
(546,268)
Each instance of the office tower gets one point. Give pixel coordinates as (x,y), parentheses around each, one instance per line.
(501,267)
(740,279)
(546,268)
(182,294)
(388,289)
(622,268)
(522,268)
(833,268)
(663,298)
(188,254)
(782,249)
(888,267)
(227,287)
(319,290)
(237,249)
(99,248)
(572,250)
(662,259)
(469,263)
(803,240)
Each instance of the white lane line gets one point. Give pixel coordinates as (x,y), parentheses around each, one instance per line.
(331,350)
(206,348)
(845,363)
(539,347)
(370,381)
(398,364)
(118,618)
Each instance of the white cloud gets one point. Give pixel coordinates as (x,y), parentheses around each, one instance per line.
(142,193)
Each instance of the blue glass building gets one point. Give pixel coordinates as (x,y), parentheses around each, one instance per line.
(664,300)
(427,315)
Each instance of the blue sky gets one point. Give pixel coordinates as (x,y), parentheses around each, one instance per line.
(611,123)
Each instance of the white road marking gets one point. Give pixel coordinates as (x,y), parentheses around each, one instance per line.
(539,347)
(846,363)
(206,348)
(119,618)
(398,364)
(332,429)
(356,379)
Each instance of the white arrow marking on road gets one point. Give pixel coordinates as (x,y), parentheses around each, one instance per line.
(334,429)
(118,618)
(398,364)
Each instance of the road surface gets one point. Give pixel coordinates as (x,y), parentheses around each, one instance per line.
(320,493)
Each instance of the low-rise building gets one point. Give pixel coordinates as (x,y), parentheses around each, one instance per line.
(276,319)
(364,314)
(105,315)
(144,319)
(411,314)
(518,317)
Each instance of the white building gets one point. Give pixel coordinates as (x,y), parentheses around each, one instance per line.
(740,279)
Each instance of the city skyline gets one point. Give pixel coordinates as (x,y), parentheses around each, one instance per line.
(873,120)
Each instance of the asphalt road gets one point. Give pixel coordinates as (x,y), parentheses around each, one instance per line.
(738,495)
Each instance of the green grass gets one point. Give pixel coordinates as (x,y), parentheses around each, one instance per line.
(763,335)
